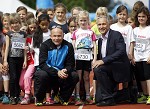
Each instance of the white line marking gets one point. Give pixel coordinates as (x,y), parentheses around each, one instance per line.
(80,107)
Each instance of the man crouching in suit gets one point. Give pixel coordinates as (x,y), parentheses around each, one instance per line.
(112,66)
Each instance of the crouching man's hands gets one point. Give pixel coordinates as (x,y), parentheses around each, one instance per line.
(62,74)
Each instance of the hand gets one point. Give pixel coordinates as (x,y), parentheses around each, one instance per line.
(5,66)
(93,61)
(5,71)
(26,48)
(97,63)
(133,62)
(24,65)
(31,50)
(62,74)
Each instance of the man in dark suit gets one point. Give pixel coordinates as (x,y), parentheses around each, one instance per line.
(112,66)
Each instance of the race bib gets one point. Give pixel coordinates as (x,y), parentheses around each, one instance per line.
(18,43)
(140,47)
(83,54)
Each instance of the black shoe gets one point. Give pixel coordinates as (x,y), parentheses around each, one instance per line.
(106,103)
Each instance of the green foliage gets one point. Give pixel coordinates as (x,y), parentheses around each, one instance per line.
(30,3)
(89,5)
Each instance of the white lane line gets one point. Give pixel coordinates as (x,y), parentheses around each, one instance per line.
(81,107)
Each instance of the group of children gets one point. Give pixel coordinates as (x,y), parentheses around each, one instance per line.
(22,34)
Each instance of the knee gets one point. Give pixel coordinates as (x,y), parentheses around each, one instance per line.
(86,78)
(96,70)
(75,76)
(40,75)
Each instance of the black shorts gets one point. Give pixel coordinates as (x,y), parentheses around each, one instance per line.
(83,65)
(142,71)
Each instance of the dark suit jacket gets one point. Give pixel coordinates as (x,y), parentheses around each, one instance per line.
(116,57)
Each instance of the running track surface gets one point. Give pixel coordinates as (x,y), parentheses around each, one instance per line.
(120,106)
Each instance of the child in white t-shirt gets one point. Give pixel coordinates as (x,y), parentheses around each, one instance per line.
(141,60)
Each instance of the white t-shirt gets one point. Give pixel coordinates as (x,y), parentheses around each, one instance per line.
(142,43)
(126,32)
(46,35)
(68,37)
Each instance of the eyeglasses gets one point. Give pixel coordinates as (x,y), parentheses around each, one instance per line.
(56,26)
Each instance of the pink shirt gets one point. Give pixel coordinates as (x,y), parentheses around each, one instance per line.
(83,38)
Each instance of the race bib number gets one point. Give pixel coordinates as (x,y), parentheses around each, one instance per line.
(18,43)
(140,47)
(83,56)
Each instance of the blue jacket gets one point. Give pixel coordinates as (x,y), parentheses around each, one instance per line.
(53,58)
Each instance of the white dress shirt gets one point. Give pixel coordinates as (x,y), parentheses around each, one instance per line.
(104,44)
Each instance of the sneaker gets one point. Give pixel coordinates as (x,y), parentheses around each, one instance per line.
(49,101)
(78,102)
(5,100)
(39,104)
(142,99)
(13,100)
(25,101)
(148,100)
(60,100)
(89,101)
(72,100)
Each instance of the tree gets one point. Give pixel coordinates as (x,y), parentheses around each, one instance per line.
(89,5)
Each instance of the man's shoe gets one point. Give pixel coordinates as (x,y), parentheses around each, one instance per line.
(58,99)
(142,99)
(106,103)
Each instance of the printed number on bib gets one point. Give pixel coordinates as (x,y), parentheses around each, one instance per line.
(83,56)
(18,43)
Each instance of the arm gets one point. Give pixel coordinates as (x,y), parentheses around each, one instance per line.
(94,51)
(25,59)
(73,43)
(131,48)
(5,63)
